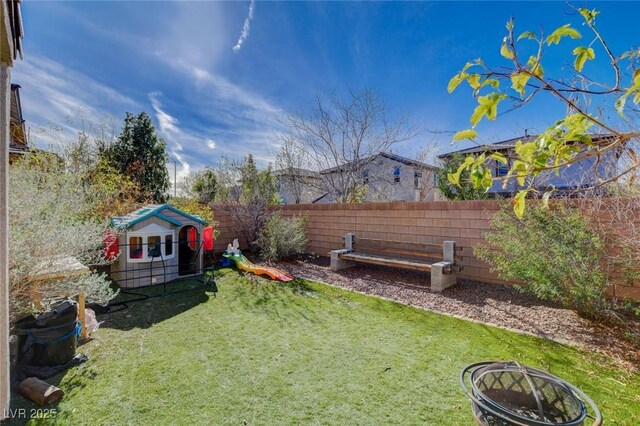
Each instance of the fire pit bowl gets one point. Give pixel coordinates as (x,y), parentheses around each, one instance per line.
(507,393)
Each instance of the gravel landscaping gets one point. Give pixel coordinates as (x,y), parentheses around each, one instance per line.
(497,305)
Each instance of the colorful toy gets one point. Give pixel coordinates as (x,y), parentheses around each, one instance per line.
(234,254)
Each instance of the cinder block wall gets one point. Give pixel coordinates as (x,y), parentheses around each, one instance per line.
(228,230)
(464,222)
(429,222)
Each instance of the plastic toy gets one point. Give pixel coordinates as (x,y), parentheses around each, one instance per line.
(234,254)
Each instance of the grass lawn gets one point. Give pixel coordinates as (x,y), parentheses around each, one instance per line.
(270,353)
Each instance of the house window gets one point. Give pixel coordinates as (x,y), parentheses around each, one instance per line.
(417,179)
(168,245)
(365,176)
(396,174)
(135,248)
(153,246)
(501,169)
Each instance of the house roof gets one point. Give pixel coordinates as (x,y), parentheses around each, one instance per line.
(148,211)
(395,157)
(296,171)
(509,144)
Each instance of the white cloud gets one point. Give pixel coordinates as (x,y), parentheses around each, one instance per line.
(53,93)
(240,121)
(211,144)
(167,123)
(245,28)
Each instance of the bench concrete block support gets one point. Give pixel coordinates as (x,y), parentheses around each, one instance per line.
(337,264)
(441,280)
(348,241)
(449,251)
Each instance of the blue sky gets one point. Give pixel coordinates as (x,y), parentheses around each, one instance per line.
(176,61)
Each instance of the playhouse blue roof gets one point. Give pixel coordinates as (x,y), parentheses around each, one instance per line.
(149,211)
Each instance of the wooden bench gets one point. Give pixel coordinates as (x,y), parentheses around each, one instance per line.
(440,259)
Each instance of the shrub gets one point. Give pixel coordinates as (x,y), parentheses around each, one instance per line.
(554,253)
(282,238)
(195,208)
(49,226)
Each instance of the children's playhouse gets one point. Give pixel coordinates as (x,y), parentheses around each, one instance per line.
(155,244)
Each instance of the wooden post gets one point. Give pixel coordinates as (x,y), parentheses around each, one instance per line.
(82,317)
(42,393)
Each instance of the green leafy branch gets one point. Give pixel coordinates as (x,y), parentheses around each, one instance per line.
(570,139)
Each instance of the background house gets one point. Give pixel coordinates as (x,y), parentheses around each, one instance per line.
(582,174)
(387,177)
(18,140)
(299,186)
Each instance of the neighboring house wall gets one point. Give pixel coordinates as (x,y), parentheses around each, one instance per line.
(585,173)
(389,179)
(582,174)
(307,188)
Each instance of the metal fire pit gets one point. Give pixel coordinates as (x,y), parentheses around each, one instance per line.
(507,393)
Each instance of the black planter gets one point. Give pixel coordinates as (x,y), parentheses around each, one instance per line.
(50,338)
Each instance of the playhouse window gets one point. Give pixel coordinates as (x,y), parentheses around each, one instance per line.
(135,248)
(149,243)
(153,246)
(168,245)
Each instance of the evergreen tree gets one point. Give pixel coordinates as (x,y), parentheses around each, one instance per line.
(205,186)
(140,154)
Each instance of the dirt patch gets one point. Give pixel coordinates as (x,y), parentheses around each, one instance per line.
(492,304)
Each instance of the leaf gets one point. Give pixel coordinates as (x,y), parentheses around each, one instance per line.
(519,82)
(562,31)
(588,15)
(488,106)
(474,81)
(620,102)
(454,82)
(506,51)
(519,203)
(498,157)
(465,134)
(535,66)
(520,169)
(454,178)
(487,180)
(478,113)
(509,25)
(527,34)
(636,98)
(525,150)
(491,82)
(582,54)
